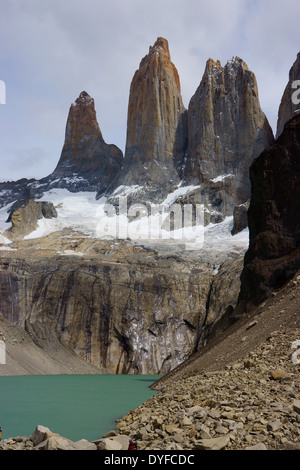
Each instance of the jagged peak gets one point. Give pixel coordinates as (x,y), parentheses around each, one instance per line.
(161,44)
(215,66)
(83,98)
(211,64)
(159,49)
(237,62)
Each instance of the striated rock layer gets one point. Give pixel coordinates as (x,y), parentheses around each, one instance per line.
(156,126)
(120,307)
(288,105)
(274,249)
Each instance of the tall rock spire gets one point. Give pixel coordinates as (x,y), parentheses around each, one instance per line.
(156,124)
(85,155)
(287,107)
(226,128)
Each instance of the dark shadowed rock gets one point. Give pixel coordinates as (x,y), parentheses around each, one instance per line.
(274,251)
(240,218)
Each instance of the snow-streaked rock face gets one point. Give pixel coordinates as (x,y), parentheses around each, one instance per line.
(226,131)
(123,300)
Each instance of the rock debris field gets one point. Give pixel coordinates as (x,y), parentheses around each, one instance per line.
(253,404)
(249,405)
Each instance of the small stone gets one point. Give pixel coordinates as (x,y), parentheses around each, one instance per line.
(221,429)
(215,414)
(186,421)
(259,446)
(171,428)
(251,325)
(249,363)
(83,444)
(178,438)
(274,425)
(296,406)
(218,443)
(279,374)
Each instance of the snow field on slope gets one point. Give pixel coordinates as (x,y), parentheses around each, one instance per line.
(83,213)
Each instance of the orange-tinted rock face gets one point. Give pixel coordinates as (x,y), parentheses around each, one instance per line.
(156,134)
(288,105)
(85,154)
(82,121)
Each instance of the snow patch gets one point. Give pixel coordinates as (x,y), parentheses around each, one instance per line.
(180,191)
(95,218)
(123,191)
(70,253)
(222,178)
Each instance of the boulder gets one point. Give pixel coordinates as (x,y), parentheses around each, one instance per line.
(217,443)
(39,434)
(24,218)
(109,443)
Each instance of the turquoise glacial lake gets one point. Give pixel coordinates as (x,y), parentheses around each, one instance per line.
(74,406)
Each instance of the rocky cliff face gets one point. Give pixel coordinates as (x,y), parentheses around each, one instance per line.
(24,220)
(226,131)
(120,307)
(274,250)
(287,106)
(126,308)
(156,127)
(85,156)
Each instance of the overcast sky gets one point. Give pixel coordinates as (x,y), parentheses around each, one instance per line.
(51,50)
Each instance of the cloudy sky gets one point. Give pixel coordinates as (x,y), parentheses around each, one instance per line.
(51,50)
